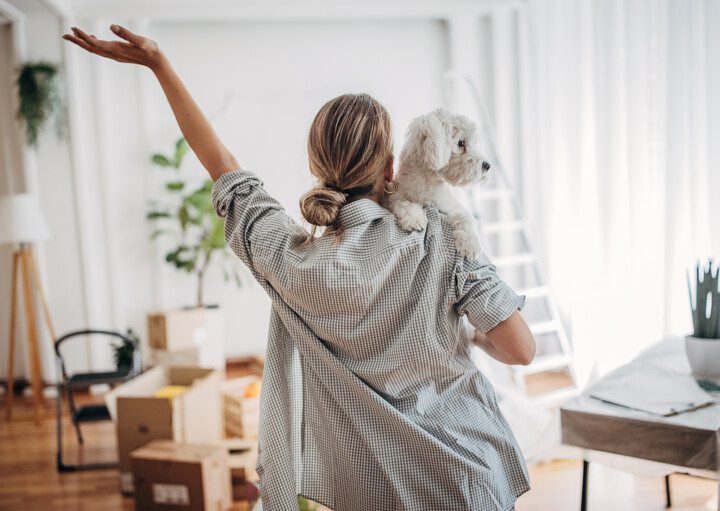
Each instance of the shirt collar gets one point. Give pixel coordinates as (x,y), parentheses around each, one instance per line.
(360,212)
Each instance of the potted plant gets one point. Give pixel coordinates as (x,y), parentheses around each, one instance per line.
(703,346)
(198,242)
(198,233)
(124,354)
(38,98)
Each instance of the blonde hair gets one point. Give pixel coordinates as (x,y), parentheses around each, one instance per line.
(349,147)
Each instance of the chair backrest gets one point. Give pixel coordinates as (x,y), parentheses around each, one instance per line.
(136,367)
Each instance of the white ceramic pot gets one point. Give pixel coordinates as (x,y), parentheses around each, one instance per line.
(704,357)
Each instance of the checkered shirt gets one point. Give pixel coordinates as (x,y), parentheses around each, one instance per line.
(370,400)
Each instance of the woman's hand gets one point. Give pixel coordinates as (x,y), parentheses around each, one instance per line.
(134,50)
(196,129)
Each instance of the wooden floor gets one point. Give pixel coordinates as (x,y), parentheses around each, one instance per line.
(28,480)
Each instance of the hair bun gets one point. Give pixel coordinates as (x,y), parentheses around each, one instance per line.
(321,206)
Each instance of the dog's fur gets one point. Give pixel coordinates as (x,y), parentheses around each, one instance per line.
(430,162)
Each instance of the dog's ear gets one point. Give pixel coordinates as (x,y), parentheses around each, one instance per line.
(427,140)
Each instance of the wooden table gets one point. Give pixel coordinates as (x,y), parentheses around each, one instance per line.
(689,439)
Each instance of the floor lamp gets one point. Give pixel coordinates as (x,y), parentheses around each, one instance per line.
(21,223)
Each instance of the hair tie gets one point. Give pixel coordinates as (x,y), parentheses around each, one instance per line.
(334,188)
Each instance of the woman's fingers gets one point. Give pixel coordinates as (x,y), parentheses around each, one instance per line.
(77,41)
(127,35)
(97,51)
(135,49)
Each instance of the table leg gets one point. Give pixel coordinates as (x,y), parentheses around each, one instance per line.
(583,495)
(668,501)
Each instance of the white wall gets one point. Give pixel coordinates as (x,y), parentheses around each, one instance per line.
(46,171)
(260,74)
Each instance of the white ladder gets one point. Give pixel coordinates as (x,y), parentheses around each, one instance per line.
(506,225)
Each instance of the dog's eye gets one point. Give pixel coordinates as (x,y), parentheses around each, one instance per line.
(461,144)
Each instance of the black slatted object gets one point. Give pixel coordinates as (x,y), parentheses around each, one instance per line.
(82,381)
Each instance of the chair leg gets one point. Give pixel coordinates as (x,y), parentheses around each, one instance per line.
(71,406)
(584,493)
(668,500)
(58,428)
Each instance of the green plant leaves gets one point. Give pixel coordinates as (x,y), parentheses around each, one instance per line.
(161,160)
(201,232)
(706,306)
(158,232)
(183,258)
(154,215)
(181,149)
(174,161)
(304,504)
(175,186)
(217,236)
(38,98)
(183,216)
(200,200)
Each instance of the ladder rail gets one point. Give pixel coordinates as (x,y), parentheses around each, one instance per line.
(450,84)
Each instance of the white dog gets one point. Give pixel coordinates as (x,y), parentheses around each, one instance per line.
(439,151)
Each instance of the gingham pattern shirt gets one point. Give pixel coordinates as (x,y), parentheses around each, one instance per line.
(370,400)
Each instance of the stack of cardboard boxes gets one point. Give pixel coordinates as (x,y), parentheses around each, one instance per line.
(170,435)
(192,416)
(187,337)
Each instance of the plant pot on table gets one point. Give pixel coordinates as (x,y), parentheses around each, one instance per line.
(704,358)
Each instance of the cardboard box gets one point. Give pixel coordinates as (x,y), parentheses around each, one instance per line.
(242,458)
(188,357)
(193,416)
(182,330)
(241,413)
(191,477)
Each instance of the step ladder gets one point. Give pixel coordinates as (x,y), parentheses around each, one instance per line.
(504,236)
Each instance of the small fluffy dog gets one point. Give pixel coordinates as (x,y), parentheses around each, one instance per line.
(439,152)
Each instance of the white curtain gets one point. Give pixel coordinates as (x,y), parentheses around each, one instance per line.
(623,178)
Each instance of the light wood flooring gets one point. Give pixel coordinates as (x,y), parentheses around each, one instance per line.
(28,480)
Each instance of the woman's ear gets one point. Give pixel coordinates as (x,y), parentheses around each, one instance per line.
(389,173)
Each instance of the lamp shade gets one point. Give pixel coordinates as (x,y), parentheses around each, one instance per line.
(21,220)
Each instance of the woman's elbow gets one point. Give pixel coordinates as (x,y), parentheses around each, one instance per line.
(514,338)
(526,352)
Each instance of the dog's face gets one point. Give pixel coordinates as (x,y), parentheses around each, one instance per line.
(446,143)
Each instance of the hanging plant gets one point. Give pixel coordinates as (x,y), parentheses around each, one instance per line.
(39,98)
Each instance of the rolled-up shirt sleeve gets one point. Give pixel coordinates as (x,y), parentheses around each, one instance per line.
(482,295)
(257,228)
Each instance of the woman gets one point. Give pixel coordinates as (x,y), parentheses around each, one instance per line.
(370,400)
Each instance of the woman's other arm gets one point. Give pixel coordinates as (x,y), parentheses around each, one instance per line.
(510,342)
(195,127)
(491,306)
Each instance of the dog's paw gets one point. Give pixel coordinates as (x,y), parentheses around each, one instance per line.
(410,216)
(467,243)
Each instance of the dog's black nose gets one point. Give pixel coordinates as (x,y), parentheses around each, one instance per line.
(485,165)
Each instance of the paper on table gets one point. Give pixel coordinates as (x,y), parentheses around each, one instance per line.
(660,393)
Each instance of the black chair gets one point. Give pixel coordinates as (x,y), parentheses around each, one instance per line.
(82,381)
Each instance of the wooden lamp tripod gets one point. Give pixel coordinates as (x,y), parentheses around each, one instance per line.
(21,223)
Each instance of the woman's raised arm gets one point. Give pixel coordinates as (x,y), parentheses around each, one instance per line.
(195,127)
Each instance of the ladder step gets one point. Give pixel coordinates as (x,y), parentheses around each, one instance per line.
(544,327)
(544,363)
(509,226)
(493,193)
(534,292)
(514,260)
